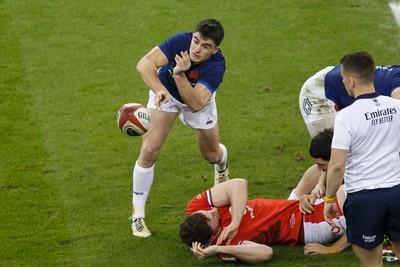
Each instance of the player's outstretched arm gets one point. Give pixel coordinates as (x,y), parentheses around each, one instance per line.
(248,252)
(315,248)
(147,68)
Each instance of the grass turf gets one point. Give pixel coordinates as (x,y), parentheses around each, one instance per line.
(67,66)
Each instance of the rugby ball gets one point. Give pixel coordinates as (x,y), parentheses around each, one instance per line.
(133,119)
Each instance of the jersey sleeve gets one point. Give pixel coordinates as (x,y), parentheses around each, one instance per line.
(386,79)
(202,201)
(213,74)
(342,135)
(175,44)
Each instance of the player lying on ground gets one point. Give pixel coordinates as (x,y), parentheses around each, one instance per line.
(223,222)
(324,94)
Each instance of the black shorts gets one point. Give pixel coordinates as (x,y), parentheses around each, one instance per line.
(370,214)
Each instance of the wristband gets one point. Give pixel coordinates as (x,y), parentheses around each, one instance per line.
(329,199)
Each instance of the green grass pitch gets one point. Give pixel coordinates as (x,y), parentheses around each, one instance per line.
(66,169)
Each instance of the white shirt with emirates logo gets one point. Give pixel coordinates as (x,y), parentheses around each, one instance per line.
(370,130)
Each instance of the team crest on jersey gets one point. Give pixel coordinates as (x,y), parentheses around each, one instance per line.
(376,102)
(194,74)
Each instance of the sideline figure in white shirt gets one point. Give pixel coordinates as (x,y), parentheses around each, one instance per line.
(366,152)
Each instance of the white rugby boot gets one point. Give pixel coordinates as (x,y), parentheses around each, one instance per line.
(221,176)
(139,227)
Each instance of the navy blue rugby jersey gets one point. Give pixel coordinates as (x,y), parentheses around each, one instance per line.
(386,79)
(209,73)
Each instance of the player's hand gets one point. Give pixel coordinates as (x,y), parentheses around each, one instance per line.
(228,233)
(306,204)
(202,253)
(315,248)
(162,97)
(182,62)
(329,209)
(319,190)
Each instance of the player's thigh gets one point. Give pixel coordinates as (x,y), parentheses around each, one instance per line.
(161,124)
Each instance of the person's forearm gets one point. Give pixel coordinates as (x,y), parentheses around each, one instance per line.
(340,245)
(192,97)
(238,197)
(322,179)
(333,182)
(308,181)
(250,253)
(336,169)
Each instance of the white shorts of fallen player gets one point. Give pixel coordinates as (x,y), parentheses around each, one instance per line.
(316,229)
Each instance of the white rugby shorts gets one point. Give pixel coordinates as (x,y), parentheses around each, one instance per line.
(204,119)
(316,229)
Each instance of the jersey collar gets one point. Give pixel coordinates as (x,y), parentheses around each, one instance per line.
(370,95)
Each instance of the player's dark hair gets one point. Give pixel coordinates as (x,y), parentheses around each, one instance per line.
(320,146)
(360,64)
(195,228)
(211,28)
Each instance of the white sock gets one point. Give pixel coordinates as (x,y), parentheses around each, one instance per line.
(221,166)
(142,181)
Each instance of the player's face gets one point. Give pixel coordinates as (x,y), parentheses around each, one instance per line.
(322,164)
(201,49)
(213,218)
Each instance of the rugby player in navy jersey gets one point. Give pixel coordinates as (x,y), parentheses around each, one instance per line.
(324,94)
(183,74)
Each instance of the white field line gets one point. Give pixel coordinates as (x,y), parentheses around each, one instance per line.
(395,6)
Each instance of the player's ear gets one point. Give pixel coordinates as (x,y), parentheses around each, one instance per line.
(352,81)
(216,49)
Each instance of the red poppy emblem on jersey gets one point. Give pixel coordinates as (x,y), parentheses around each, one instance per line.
(194,74)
